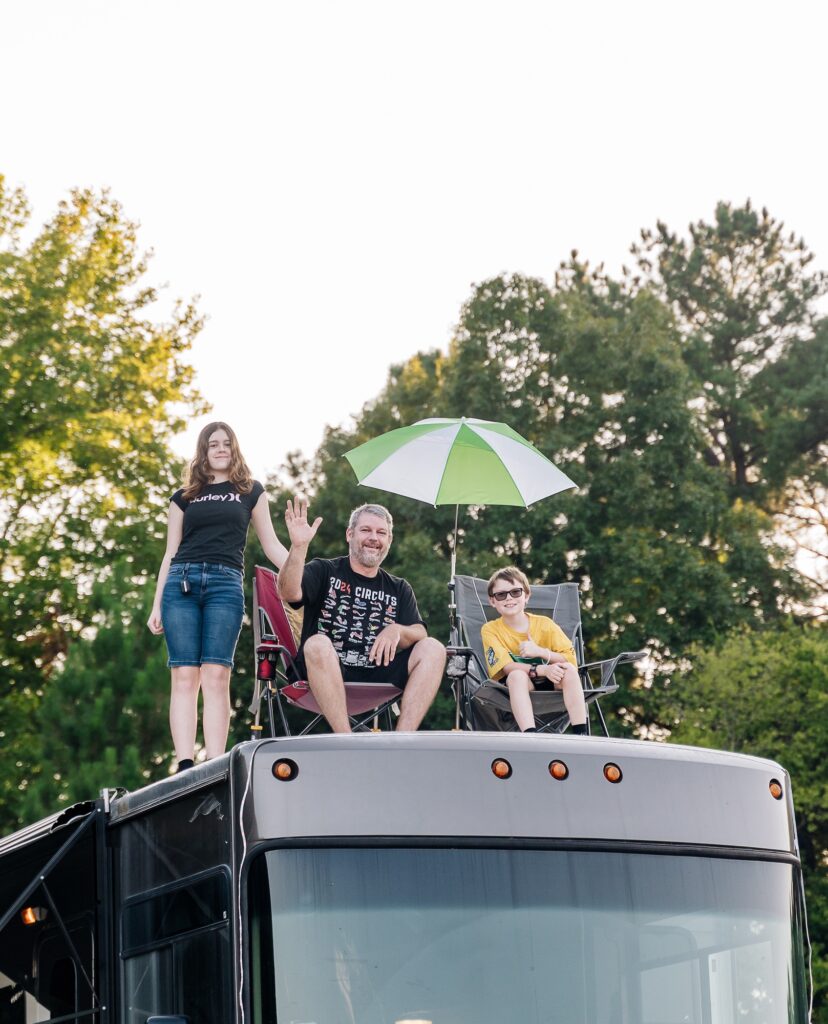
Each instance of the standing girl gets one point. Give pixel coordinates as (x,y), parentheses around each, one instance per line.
(199,601)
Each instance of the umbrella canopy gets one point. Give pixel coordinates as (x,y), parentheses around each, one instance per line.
(458,462)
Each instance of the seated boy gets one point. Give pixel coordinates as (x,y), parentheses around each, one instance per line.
(529,652)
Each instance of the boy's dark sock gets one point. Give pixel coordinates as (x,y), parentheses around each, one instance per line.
(531,729)
(580,730)
(184,764)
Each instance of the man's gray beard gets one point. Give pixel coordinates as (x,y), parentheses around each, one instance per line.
(358,554)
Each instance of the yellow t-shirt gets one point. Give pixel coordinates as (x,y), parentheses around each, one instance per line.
(501,644)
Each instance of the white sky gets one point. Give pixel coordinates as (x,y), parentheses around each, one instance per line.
(332,177)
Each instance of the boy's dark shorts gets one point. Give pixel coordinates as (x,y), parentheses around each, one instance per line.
(396,673)
(543,684)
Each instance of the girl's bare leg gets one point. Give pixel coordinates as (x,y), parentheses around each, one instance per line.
(215,689)
(184,710)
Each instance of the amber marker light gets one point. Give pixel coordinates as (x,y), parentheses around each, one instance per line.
(31,915)
(285,770)
(775,788)
(558,770)
(501,768)
(612,773)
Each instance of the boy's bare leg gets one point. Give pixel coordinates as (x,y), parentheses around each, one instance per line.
(520,686)
(325,681)
(425,673)
(573,695)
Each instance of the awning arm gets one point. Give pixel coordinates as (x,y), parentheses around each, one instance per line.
(41,875)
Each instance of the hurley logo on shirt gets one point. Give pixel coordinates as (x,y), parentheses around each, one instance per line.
(216,497)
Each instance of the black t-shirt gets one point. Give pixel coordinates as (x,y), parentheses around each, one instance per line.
(351,609)
(215,524)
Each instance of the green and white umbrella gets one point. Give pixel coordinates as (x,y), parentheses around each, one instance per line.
(458,462)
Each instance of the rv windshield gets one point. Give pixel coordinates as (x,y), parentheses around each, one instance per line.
(484,936)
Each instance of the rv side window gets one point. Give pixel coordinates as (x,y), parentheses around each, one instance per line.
(202,974)
(176,947)
(191,976)
(60,986)
(148,986)
(174,910)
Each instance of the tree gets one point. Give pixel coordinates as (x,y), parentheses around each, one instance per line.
(605,394)
(92,390)
(102,718)
(744,300)
(766,693)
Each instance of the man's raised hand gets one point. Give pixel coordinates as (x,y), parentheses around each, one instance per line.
(300,531)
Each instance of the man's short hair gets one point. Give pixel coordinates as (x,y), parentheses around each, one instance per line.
(512,575)
(371,510)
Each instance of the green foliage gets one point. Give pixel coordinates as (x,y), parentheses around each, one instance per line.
(91,391)
(743,296)
(766,693)
(102,720)
(649,534)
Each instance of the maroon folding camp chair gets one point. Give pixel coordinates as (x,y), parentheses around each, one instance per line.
(277,678)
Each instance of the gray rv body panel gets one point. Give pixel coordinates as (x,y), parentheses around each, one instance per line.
(441,785)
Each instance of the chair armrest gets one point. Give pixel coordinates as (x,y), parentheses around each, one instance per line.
(270,645)
(619,659)
(608,666)
(465,654)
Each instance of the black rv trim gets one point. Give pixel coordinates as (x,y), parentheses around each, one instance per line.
(507,843)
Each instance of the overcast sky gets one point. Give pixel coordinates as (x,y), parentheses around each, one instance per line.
(332,177)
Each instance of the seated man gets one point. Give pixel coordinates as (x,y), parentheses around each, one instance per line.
(361,624)
(529,652)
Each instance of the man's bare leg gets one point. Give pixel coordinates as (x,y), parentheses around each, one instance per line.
(425,673)
(325,681)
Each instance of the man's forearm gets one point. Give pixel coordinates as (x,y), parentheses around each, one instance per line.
(290,577)
(409,635)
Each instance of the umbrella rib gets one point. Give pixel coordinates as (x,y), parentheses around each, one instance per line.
(455,444)
(442,475)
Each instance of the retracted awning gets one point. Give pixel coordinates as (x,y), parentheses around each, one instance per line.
(48,844)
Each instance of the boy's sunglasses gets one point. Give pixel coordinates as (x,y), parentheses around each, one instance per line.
(501,595)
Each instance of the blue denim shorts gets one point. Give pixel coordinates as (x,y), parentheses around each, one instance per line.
(202,625)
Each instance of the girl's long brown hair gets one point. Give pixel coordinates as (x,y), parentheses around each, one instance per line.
(198,473)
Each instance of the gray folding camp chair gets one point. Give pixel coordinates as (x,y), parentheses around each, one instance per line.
(483,704)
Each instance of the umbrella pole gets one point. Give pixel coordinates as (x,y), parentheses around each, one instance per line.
(454,544)
(454,634)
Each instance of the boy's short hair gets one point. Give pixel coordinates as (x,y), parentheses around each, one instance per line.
(510,573)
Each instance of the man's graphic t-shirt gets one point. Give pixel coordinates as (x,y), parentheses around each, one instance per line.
(351,609)
(215,524)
